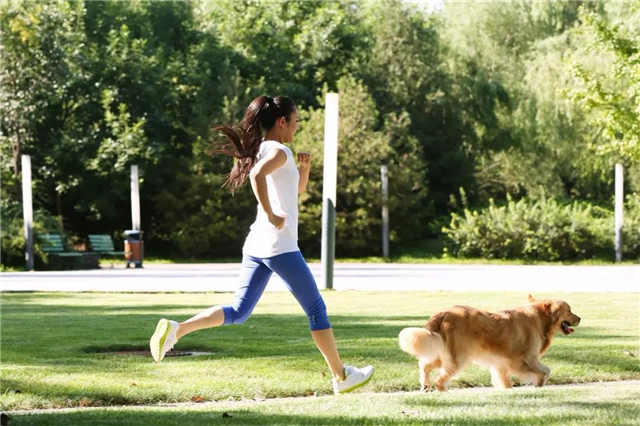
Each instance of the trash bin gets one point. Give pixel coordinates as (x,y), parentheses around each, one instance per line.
(133,248)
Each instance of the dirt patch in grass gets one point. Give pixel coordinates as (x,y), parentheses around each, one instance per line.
(142,351)
(167,355)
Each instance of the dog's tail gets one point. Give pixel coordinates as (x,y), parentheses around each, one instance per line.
(421,343)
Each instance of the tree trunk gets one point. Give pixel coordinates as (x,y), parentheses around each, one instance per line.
(17,152)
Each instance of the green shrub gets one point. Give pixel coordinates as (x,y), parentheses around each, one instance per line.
(542,229)
(12,233)
(205,219)
(631,230)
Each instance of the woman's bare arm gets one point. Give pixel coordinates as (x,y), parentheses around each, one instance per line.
(258,176)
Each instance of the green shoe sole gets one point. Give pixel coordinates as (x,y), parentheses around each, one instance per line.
(158,339)
(359,385)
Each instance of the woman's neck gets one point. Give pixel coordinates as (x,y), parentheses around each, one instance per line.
(273,136)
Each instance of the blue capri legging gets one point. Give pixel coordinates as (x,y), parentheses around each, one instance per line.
(292,268)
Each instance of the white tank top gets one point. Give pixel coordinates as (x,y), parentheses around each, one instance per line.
(264,240)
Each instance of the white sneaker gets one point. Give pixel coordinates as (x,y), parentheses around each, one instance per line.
(163,339)
(354,378)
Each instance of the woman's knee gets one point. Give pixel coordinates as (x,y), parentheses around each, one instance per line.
(319,322)
(318,318)
(235,315)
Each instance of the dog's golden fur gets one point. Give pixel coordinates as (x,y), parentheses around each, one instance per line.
(510,342)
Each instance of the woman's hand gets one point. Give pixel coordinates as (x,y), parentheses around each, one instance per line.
(274,159)
(277,221)
(304,159)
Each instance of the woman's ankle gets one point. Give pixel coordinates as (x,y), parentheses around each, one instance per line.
(339,376)
(181,331)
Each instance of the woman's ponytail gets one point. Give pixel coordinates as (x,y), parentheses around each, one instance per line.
(242,141)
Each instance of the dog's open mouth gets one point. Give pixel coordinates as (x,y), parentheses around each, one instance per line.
(566,329)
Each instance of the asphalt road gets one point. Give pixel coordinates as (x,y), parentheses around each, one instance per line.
(347,276)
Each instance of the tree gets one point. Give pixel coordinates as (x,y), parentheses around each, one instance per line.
(612,99)
(510,67)
(407,75)
(361,152)
(294,47)
(41,64)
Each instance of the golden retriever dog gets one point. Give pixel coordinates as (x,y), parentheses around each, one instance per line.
(510,342)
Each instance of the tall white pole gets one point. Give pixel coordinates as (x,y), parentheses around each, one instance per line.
(27,210)
(619,210)
(329,183)
(385,210)
(135,199)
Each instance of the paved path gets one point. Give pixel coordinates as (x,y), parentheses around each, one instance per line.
(348,276)
(214,404)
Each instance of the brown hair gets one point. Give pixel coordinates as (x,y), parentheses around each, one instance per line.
(242,140)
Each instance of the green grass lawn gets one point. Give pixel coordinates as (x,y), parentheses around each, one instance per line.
(52,346)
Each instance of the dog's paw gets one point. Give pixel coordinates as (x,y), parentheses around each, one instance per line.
(543,380)
(441,387)
(528,381)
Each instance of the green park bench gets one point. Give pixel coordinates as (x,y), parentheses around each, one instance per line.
(103,244)
(53,245)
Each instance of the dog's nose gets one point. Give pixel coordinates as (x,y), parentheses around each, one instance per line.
(578,323)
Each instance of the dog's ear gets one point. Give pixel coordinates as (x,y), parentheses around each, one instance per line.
(531,299)
(552,308)
(546,307)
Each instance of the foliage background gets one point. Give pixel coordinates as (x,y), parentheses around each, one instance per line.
(518,102)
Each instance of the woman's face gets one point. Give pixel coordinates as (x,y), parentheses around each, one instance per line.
(290,127)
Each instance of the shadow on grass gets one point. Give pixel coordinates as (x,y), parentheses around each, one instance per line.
(262,335)
(249,417)
(523,401)
(72,395)
(30,306)
(71,331)
(613,361)
(75,337)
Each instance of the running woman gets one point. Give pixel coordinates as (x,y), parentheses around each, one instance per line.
(258,145)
